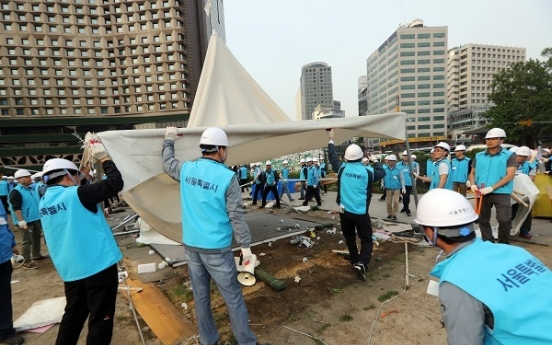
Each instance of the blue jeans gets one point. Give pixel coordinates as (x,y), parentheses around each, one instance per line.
(222,268)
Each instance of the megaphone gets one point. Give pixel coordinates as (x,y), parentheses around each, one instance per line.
(246,273)
(17,261)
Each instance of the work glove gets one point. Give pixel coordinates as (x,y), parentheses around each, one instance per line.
(246,255)
(170,134)
(416,176)
(486,190)
(330,134)
(474,188)
(22,225)
(468,184)
(403,191)
(372,158)
(97,151)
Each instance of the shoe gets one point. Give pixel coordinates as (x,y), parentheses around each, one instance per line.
(301,198)
(30,266)
(254,204)
(360,271)
(503,241)
(408,213)
(403,210)
(42,257)
(394,217)
(389,217)
(15,340)
(262,206)
(263,344)
(292,200)
(524,234)
(381,200)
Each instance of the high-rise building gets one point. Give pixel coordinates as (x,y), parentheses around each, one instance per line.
(408,73)
(470,70)
(94,65)
(316,88)
(362,95)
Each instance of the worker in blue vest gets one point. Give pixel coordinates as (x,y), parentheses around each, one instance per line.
(430,163)
(523,154)
(492,175)
(82,245)
(313,179)
(211,213)
(259,181)
(4,192)
(39,186)
(461,168)
(303,172)
(404,166)
(23,201)
(285,177)
(244,178)
(271,177)
(394,186)
(441,172)
(489,293)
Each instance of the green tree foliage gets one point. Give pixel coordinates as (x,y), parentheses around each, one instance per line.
(523,92)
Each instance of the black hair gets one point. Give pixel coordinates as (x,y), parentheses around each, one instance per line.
(356,160)
(456,239)
(210,148)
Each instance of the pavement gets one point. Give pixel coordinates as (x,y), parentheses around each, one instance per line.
(541,230)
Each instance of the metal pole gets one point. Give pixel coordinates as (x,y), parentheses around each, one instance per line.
(414,189)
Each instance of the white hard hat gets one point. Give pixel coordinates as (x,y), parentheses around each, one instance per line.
(405,153)
(309,159)
(21,173)
(353,152)
(413,157)
(546,150)
(460,148)
(4,177)
(523,151)
(391,158)
(252,165)
(444,146)
(496,133)
(513,149)
(315,159)
(10,177)
(285,162)
(56,167)
(364,159)
(268,163)
(445,208)
(259,164)
(302,160)
(214,136)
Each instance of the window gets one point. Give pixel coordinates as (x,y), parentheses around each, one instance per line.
(438,110)
(438,101)
(423,77)
(408,78)
(423,44)
(424,53)
(424,94)
(439,35)
(438,69)
(438,52)
(408,45)
(407,36)
(423,127)
(423,70)
(408,95)
(423,36)
(408,62)
(438,118)
(438,60)
(424,62)
(438,44)
(408,53)
(438,125)
(424,86)
(438,94)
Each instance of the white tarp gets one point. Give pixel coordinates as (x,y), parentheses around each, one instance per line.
(257,130)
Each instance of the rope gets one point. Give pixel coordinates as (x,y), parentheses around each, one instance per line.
(305,334)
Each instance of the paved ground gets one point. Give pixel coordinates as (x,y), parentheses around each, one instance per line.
(541,228)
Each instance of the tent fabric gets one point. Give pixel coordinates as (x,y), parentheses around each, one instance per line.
(257,130)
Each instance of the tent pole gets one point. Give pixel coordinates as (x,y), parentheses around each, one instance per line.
(410,165)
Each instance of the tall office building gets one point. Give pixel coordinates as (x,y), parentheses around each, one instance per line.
(96,65)
(408,73)
(470,70)
(362,92)
(316,88)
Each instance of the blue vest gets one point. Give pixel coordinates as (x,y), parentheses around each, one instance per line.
(7,240)
(430,165)
(80,242)
(40,189)
(512,283)
(243,173)
(205,222)
(4,188)
(391,179)
(435,177)
(29,205)
(302,173)
(312,176)
(460,169)
(258,172)
(525,168)
(353,187)
(285,173)
(406,172)
(491,169)
(270,177)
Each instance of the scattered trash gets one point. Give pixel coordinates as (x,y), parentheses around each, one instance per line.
(289,229)
(318,238)
(380,223)
(161,265)
(146,268)
(379,259)
(297,226)
(262,254)
(278,229)
(184,306)
(333,217)
(281,220)
(297,279)
(295,240)
(168,260)
(14,281)
(305,242)
(332,232)
(305,259)
(270,244)
(383,315)
(340,242)
(151,252)
(312,234)
(338,224)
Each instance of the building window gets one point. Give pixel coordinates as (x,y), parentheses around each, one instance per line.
(439,35)
(438,44)
(438,60)
(423,44)
(438,52)
(408,45)
(407,36)
(423,36)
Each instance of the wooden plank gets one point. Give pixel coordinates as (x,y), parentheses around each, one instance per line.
(168,324)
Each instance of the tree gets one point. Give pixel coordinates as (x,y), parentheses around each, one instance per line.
(521,93)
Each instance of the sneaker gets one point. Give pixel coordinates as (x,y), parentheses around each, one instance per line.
(524,234)
(254,204)
(403,210)
(262,206)
(389,217)
(394,218)
(30,266)
(381,200)
(42,257)
(360,271)
(15,340)
(408,213)
(503,241)
(301,198)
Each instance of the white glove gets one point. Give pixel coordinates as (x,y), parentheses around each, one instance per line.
(246,255)
(170,134)
(331,142)
(22,225)
(403,191)
(330,134)
(468,184)
(416,176)
(98,151)
(486,190)
(372,159)
(474,188)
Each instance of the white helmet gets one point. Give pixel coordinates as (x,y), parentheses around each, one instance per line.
(445,208)
(315,159)
(21,173)
(57,167)
(353,153)
(285,162)
(523,151)
(10,178)
(444,146)
(513,149)
(302,160)
(268,163)
(259,164)
(413,157)
(309,159)
(252,165)
(4,177)
(391,158)
(214,136)
(405,153)
(546,150)
(496,133)
(460,148)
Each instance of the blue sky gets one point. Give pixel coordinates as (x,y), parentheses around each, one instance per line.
(273,38)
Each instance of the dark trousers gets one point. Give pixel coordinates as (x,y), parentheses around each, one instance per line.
(312,191)
(406,198)
(242,182)
(503,216)
(528,220)
(6,312)
(94,296)
(274,190)
(259,188)
(303,189)
(363,226)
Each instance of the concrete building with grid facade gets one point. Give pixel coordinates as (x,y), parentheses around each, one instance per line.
(408,73)
(470,70)
(97,65)
(315,88)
